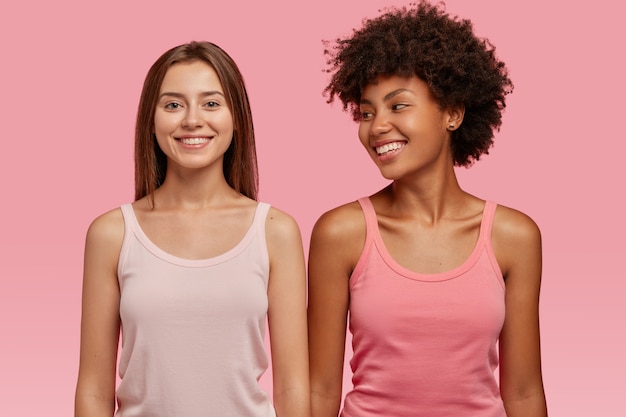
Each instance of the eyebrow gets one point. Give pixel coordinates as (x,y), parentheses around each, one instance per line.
(203,94)
(389,96)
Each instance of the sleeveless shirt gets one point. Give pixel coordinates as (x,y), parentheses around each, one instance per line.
(193,330)
(425,344)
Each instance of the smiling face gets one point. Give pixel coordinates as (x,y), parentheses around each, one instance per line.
(403,128)
(192,121)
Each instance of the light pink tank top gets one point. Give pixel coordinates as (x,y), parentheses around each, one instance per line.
(193,330)
(425,344)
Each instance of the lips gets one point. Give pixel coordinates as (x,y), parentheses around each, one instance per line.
(389,147)
(194,141)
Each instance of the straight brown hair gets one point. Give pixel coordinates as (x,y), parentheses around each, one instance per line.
(240,162)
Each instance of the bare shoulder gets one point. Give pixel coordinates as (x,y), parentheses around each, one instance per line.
(284,244)
(516,240)
(338,239)
(281,226)
(515,227)
(282,234)
(342,224)
(106,232)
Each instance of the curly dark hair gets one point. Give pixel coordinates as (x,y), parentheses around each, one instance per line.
(425,41)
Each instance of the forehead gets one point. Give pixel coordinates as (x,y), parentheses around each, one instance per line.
(384,85)
(191,75)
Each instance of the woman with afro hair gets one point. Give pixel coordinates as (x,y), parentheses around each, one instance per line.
(441,287)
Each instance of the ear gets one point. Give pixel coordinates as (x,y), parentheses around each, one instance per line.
(454,117)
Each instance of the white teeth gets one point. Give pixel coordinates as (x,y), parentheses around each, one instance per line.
(389,147)
(194,141)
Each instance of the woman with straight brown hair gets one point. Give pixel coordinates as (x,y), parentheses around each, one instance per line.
(192,269)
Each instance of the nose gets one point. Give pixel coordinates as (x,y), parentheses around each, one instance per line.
(380,124)
(192,118)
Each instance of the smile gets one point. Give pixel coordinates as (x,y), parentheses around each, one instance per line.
(388,147)
(193,141)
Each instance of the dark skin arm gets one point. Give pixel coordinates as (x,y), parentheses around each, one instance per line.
(517,245)
(336,243)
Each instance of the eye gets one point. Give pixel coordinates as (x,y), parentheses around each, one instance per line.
(398,106)
(172,106)
(212,104)
(366,115)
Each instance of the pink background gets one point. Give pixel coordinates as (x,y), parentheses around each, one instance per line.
(71,76)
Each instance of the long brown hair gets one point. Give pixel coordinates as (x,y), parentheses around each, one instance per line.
(240,163)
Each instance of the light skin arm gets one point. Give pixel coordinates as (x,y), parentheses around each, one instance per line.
(517,244)
(100,323)
(333,252)
(287,316)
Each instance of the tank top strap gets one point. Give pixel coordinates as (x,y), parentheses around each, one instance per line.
(258,226)
(260,215)
(371,231)
(131,224)
(486,227)
(486,223)
(130,227)
(371,222)
(129,215)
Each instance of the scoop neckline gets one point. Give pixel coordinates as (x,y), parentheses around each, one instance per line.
(177,260)
(431,277)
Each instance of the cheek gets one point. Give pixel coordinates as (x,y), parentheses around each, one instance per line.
(363,134)
(161,129)
(161,122)
(224,122)
(227,126)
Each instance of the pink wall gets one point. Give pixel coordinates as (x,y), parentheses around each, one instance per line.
(71,76)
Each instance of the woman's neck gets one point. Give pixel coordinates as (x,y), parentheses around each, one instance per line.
(430,197)
(194,189)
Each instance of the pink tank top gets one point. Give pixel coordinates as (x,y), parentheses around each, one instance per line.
(425,344)
(193,330)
